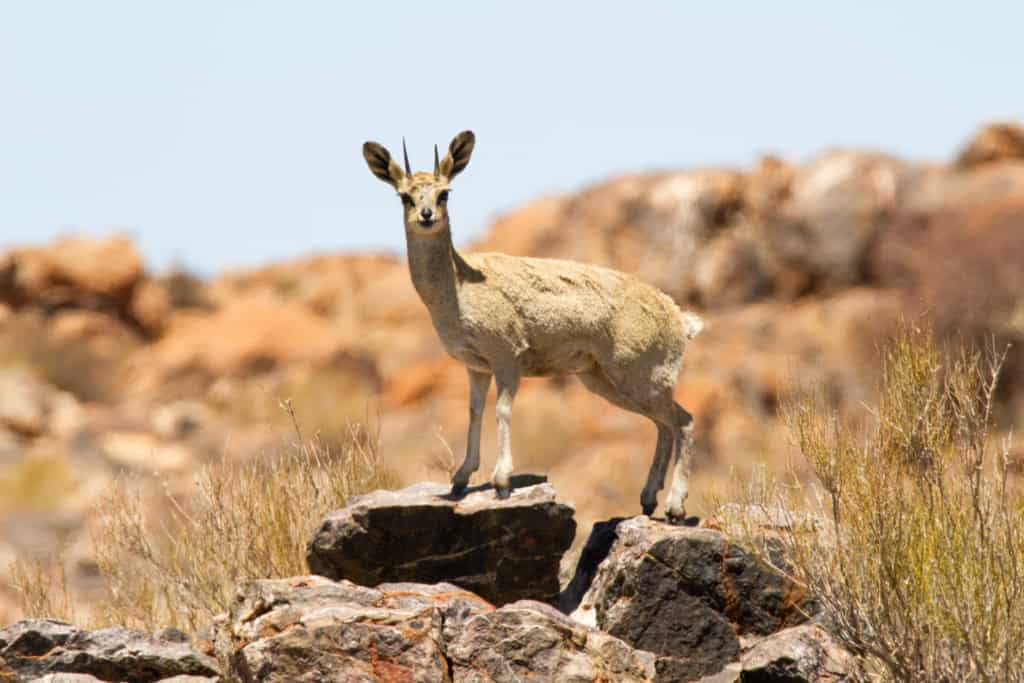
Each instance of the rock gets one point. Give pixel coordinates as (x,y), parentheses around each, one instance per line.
(86,678)
(527,640)
(73,272)
(503,550)
(100,334)
(837,204)
(249,336)
(145,452)
(599,544)
(67,416)
(314,629)
(24,401)
(801,654)
(30,407)
(685,594)
(995,142)
(37,647)
(179,419)
(151,305)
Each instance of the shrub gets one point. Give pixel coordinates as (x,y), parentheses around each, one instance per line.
(246,520)
(918,555)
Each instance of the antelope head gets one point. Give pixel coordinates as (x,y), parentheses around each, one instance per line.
(424,195)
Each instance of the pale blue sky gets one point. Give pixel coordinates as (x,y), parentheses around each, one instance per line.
(224,134)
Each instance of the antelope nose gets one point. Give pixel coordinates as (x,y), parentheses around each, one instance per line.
(426,214)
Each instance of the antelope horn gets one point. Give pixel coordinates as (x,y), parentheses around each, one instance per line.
(408,170)
(437,164)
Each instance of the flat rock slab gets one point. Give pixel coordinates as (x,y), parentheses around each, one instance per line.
(503,550)
(317,630)
(36,648)
(683,593)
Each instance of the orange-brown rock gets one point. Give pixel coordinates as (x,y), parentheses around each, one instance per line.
(995,142)
(248,335)
(151,305)
(89,273)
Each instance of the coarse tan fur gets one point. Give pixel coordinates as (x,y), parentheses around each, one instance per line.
(511,317)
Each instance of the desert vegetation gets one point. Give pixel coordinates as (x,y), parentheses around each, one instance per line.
(910,536)
(244,520)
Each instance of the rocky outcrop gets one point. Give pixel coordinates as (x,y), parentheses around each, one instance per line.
(503,550)
(88,678)
(314,629)
(685,594)
(74,272)
(527,640)
(36,648)
(801,654)
(995,142)
(104,275)
(243,338)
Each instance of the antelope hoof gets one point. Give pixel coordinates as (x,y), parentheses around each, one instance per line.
(504,492)
(648,509)
(682,520)
(458,489)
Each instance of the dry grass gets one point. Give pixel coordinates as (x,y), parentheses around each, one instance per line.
(918,558)
(245,521)
(43,588)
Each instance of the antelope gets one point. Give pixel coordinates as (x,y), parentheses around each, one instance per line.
(512,317)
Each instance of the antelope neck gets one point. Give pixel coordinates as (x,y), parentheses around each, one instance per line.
(432,266)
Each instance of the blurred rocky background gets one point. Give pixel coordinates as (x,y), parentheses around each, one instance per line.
(800,270)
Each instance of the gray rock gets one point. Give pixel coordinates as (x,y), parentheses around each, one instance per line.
(503,550)
(685,594)
(801,654)
(37,647)
(87,678)
(529,640)
(314,629)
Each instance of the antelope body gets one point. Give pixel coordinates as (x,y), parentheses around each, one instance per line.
(511,317)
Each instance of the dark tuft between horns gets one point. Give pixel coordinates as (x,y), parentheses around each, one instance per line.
(405,153)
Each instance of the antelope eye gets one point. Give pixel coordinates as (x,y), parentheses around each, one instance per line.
(407,200)
(442,196)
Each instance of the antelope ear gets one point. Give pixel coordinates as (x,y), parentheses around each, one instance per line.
(382,165)
(459,151)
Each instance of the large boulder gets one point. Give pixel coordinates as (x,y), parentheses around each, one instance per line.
(503,550)
(35,648)
(685,594)
(314,629)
